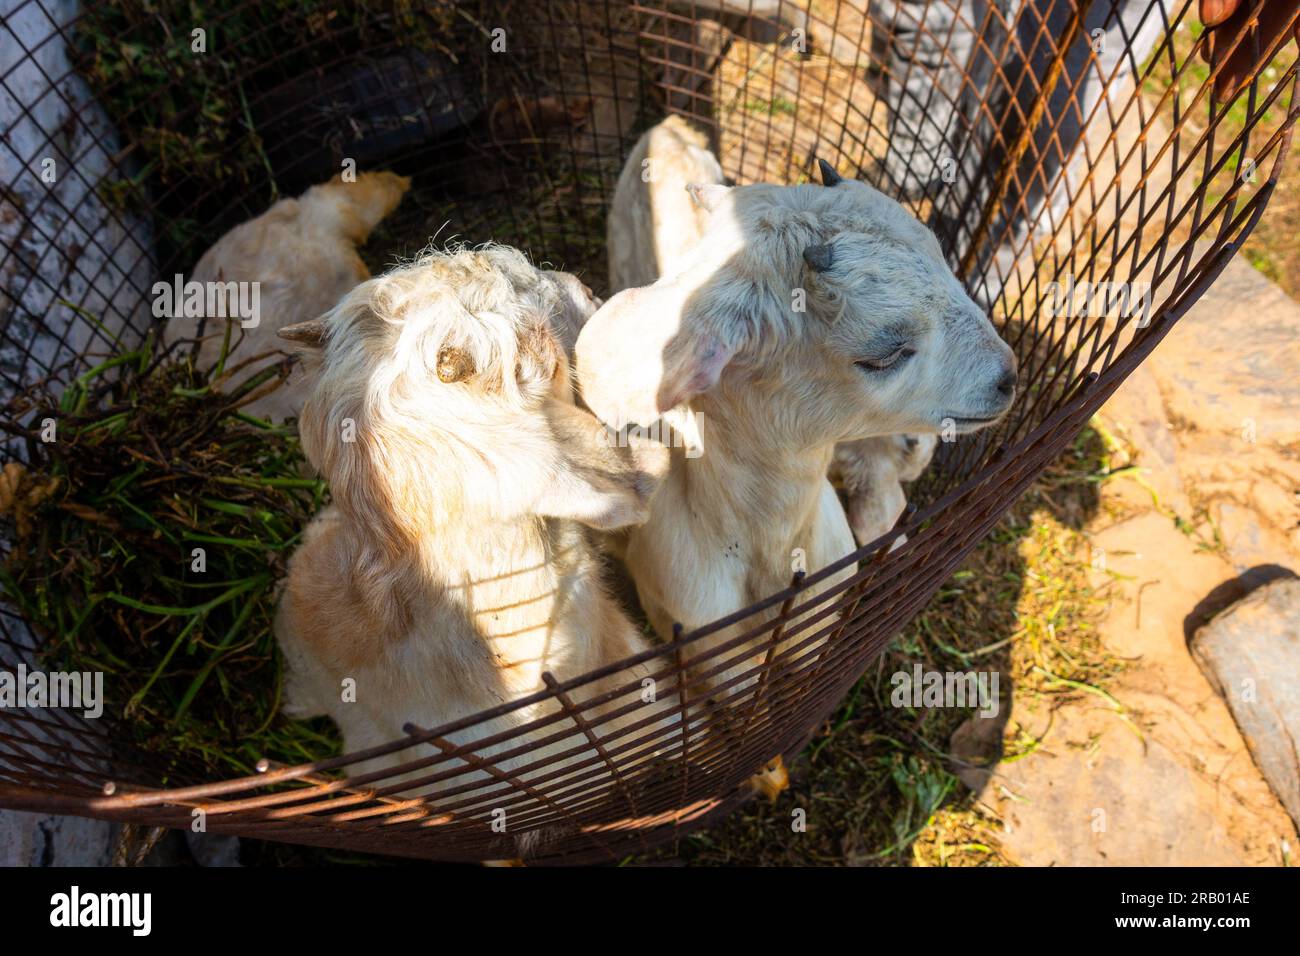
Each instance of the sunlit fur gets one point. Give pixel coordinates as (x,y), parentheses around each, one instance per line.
(774,388)
(453,567)
(303,252)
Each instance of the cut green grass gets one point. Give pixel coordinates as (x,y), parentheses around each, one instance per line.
(146,543)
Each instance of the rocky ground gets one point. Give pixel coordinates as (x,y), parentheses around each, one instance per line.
(1154,770)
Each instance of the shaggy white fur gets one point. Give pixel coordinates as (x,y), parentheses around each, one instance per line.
(453,568)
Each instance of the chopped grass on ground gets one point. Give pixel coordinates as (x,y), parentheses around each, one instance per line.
(145,541)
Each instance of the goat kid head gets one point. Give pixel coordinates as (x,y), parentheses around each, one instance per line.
(440,393)
(835,293)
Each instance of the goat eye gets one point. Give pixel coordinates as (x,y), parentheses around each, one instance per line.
(890,360)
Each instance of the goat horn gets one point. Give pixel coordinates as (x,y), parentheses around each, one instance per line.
(819,258)
(454,365)
(829,176)
(312,333)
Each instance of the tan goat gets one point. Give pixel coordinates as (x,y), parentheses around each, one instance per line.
(453,568)
(302,253)
(653,221)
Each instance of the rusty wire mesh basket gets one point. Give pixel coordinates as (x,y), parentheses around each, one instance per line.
(1086,142)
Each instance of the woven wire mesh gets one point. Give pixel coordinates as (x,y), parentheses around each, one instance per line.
(1072,166)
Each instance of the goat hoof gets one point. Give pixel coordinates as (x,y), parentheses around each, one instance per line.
(772,780)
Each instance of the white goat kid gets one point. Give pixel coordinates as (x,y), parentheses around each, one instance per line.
(453,568)
(805,316)
(655,223)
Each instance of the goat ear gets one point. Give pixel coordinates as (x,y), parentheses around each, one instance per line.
(600,480)
(708,196)
(311,334)
(646,351)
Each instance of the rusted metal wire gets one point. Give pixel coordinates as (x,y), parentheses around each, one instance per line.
(1151,191)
